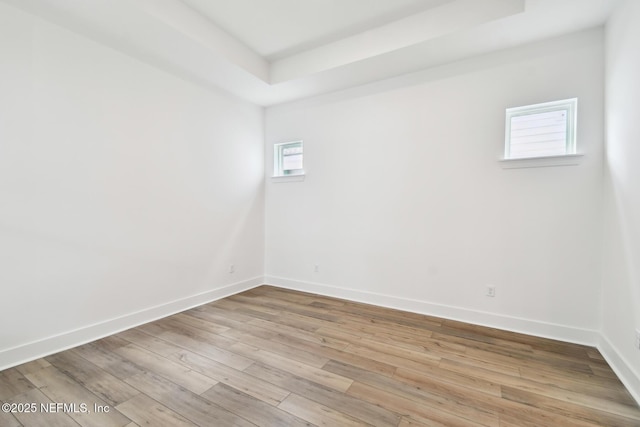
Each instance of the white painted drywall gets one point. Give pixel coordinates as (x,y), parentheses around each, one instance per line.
(621,267)
(121,187)
(405,201)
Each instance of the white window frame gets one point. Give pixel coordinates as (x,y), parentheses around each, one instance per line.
(278,160)
(569,157)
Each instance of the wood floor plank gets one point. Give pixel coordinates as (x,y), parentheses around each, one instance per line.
(298,368)
(112,342)
(111,362)
(515,363)
(273,356)
(408,406)
(591,399)
(391,359)
(540,357)
(424,377)
(282,302)
(302,323)
(174,326)
(336,332)
(439,396)
(8,420)
(33,366)
(189,405)
(239,380)
(340,355)
(285,295)
(291,331)
(594,387)
(197,322)
(506,408)
(278,344)
(251,409)
(477,371)
(62,389)
(149,342)
(145,411)
(244,306)
(599,416)
(310,323)
(587,400)
(172,371)
(13,383)
(479,363)
(509,420)
(509,339)
(225,316)
(603,371)
(316,413)
(389,317)
(355,322)
(433,383)
(438,347)
(104,385)
(38,418)
(477,340)
(408,422)
(206,349)
(369,413)
(595,354)
(213,315)
(423,355)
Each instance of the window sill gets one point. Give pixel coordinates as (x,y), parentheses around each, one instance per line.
(542,162)
(288,178)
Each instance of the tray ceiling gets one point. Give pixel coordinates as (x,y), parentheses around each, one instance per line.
(274,51)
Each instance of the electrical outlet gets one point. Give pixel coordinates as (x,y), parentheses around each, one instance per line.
(638,339)
(491,291)
(232,269)
(316,268)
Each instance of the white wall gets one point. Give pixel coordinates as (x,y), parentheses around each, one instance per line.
(405,203)
(621,268)
(125,192)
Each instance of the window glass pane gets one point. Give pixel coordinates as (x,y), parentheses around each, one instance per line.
(288,150)
(292,162)
(538,135)
(288,158)
(541,130)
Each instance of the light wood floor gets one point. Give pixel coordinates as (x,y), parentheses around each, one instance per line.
(275,357)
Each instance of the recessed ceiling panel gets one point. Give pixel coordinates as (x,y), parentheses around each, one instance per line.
(279,28)
(316,46)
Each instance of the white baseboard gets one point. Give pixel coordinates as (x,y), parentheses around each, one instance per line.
(492,320)
(44,347)
(623,369)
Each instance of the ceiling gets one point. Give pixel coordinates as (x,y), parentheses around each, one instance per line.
(274,51)
(275,29)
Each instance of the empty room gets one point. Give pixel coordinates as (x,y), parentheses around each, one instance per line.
(320,212)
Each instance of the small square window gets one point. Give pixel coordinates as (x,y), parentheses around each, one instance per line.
(287,159)
(541,130)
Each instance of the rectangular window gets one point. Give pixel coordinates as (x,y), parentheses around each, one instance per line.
(287,158)
(541,130)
